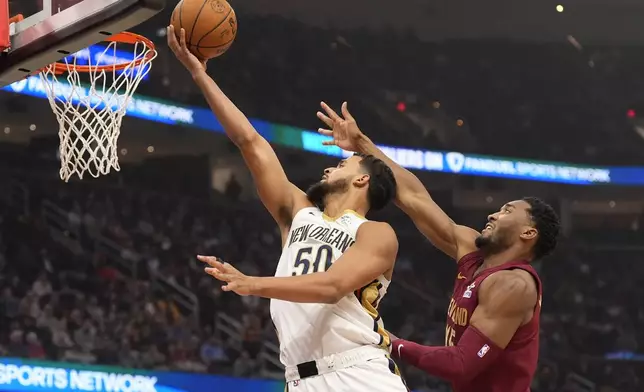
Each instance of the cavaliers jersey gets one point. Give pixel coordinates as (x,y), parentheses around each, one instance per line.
(515,368)
(309,331)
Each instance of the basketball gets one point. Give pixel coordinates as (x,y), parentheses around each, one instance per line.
(210,25)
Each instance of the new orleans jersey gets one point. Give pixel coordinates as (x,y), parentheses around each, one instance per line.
(310,331)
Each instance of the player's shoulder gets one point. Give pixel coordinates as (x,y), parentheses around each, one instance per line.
(378,226)
(377,231)
(514,279)
(514,285)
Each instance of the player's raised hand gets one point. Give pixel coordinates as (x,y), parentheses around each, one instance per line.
(181,51)
(343,129)
(235,280)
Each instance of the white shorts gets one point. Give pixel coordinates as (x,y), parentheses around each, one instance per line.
(374,375)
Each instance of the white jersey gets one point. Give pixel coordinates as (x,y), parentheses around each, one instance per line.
(309,331)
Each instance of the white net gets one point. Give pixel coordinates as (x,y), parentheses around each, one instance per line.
(90,102)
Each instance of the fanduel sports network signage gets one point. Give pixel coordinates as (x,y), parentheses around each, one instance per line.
(439,161)
(41,376)
(480,165)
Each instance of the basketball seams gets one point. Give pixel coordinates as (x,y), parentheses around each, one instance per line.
(194,47)
(196,20)
(225,19)
(215,46)
(207,18)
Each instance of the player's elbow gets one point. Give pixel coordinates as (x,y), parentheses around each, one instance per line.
(333,289)
(246,139)
(464,374)
(451,369)
(332,295)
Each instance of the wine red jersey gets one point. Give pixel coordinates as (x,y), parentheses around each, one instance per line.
(514,369)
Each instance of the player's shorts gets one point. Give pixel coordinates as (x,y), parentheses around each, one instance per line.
(365,369)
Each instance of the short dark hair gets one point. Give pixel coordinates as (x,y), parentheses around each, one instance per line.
(546,221)
(382,183)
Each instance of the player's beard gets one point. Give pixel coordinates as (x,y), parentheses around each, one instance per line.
(320,191)
(482,242)
(490,244)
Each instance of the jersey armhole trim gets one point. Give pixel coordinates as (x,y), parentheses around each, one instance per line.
(288,230)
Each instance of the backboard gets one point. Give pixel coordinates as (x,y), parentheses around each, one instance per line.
(52,29)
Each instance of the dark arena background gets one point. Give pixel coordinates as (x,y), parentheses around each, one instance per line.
(485,101)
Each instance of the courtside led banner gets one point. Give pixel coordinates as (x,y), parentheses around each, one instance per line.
(41,376)
(439,161)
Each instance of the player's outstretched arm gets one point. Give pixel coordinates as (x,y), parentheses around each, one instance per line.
(372,255)
(274,188)
(411,195)
(507,300)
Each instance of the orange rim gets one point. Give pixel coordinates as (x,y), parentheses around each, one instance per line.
(126,38)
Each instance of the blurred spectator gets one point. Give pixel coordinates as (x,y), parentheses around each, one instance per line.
(35,350)
(16,347)
(10,304)
(245,365)
(41,286)
(212,352)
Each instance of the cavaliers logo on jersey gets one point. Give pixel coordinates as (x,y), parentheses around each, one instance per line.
(468,291)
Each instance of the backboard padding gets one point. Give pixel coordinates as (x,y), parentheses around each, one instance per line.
(69,31)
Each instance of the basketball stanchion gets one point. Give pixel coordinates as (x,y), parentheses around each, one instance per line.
(90,101)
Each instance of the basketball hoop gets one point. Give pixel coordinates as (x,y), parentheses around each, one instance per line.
(89,117)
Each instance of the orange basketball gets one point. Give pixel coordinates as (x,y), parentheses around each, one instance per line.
(210,25)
